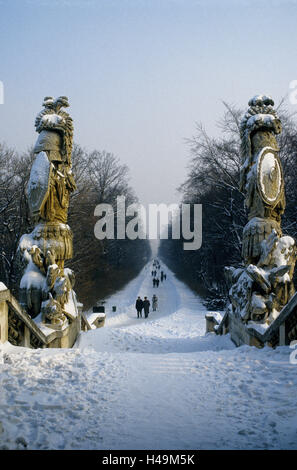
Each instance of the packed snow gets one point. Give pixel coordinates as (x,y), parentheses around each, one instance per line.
(155,383)
(267,119)
(52,119)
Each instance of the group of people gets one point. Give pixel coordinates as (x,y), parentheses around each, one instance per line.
(156,282)
(145,306)
(145,303)
(156,279)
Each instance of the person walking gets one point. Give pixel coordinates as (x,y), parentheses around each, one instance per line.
(146,307)
(157,282)
(139,307)
(155,302)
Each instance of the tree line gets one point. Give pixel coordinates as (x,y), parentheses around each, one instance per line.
(212,180)
(101,266)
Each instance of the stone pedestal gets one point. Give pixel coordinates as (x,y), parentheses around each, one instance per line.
(212,320)
(64,338)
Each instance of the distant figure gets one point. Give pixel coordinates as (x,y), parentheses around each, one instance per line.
(165,277)
(152,273)
(155,302)
(146,307)
(154,282)
(139,307)
(157,282)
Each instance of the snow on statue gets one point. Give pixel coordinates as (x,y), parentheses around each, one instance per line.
(46,286)
(264,286)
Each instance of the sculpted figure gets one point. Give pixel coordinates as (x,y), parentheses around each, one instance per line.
(259,292)
(50,244)
(261,178)
(264,285)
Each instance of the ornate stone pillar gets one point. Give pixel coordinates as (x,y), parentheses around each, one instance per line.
(46,286)
(261,288)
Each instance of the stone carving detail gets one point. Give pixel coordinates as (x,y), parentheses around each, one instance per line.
(264,285)
(15,330)
(45,285)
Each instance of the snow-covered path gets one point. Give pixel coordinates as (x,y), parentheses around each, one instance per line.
(156,383)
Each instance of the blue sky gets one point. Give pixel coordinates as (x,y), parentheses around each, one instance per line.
(140,73)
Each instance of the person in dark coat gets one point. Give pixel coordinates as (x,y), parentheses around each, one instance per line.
(146,307)
(139,307)
(157,282)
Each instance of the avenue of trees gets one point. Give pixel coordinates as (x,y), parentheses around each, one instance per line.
(212,180)
(101,267)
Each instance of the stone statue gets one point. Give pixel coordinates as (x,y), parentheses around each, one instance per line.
(261,289)
(45,285)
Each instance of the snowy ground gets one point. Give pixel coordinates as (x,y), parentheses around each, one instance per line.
(156,383)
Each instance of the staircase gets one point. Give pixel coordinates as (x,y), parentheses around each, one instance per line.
(280,333)
(17,327)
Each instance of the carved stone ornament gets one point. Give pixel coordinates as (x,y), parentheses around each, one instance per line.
(45,285)
(269,176)
(264,285)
